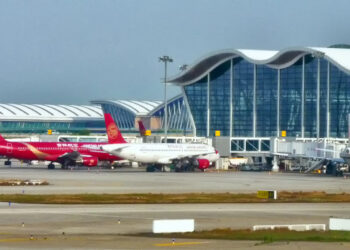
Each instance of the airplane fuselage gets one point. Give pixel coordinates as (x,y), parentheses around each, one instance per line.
(51,151)
(161,152)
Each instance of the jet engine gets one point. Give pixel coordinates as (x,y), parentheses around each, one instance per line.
(203,163)
(90,161)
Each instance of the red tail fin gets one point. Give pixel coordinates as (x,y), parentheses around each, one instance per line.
(113,133)
(2,139)
(142,128)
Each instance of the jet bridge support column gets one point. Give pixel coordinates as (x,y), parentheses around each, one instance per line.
(275,167)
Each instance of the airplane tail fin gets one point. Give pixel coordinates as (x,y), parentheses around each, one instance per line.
(2,139)
(113,133)
(142,128)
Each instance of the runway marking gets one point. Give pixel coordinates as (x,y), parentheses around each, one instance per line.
(179,244)
(14,239)
(40,238)
(22,239)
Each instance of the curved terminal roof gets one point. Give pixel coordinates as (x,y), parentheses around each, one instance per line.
(47,112)
(274,59)
(169,103)
(135,107)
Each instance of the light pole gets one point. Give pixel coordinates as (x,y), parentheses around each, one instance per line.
(165,59)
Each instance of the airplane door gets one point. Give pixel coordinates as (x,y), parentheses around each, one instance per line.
(9,147)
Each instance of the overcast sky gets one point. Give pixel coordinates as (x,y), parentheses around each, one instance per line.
(71,52)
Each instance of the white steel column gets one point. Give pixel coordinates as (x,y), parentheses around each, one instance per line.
(254,102)
(303,98)
(278,100)
(231,89)
(208,107)
(189,111)
(328,112)
(318,98)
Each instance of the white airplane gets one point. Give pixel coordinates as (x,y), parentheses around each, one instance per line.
(185,157)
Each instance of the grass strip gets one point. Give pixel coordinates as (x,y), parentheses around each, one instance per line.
(148,198)
(266,236)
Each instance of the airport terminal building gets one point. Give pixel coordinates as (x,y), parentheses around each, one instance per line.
(39,118)
(259,94)
(76,119)
(126,113)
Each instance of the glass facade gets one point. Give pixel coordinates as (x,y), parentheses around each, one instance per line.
(123,118)
(242,97)
(198,99)
(178,118)
(265,100)
(339,102)
(290,99)
(219,99)
(323,97)
(310,97)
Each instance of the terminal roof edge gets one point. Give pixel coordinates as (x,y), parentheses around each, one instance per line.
(274,59)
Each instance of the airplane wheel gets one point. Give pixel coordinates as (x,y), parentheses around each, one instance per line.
(8,163)
(178,170)
(190,168)
(150,168)
(51,166)
(65,165)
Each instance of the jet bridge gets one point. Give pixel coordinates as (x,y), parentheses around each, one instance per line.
(308,154)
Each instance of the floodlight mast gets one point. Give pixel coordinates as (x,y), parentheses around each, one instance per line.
(166,60)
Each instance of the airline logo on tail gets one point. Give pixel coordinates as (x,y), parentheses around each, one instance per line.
(113,133)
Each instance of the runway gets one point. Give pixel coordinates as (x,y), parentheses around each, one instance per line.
(77,225)
(138,218)
(137,181)
(106,226)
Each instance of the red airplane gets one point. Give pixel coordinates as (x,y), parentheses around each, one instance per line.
(142,128)
(65,153)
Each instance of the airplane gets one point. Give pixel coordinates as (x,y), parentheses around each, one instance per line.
(185,157)
(142,128)
(65,153)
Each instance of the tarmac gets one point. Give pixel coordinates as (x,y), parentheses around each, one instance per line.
(128,180)
(37,226)
(108,226)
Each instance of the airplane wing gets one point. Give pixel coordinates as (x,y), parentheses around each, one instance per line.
(169,160)
(74,155)
(71,156)
(114,147)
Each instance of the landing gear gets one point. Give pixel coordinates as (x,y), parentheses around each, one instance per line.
(8,163)
(67,164)
(184,166)
(154,168)
(51,166)
(150,168)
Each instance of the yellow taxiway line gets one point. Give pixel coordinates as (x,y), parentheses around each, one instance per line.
(178,244)
(16,239)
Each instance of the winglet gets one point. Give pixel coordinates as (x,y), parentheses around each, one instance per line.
(142,128)
(113,133)
(2,139)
